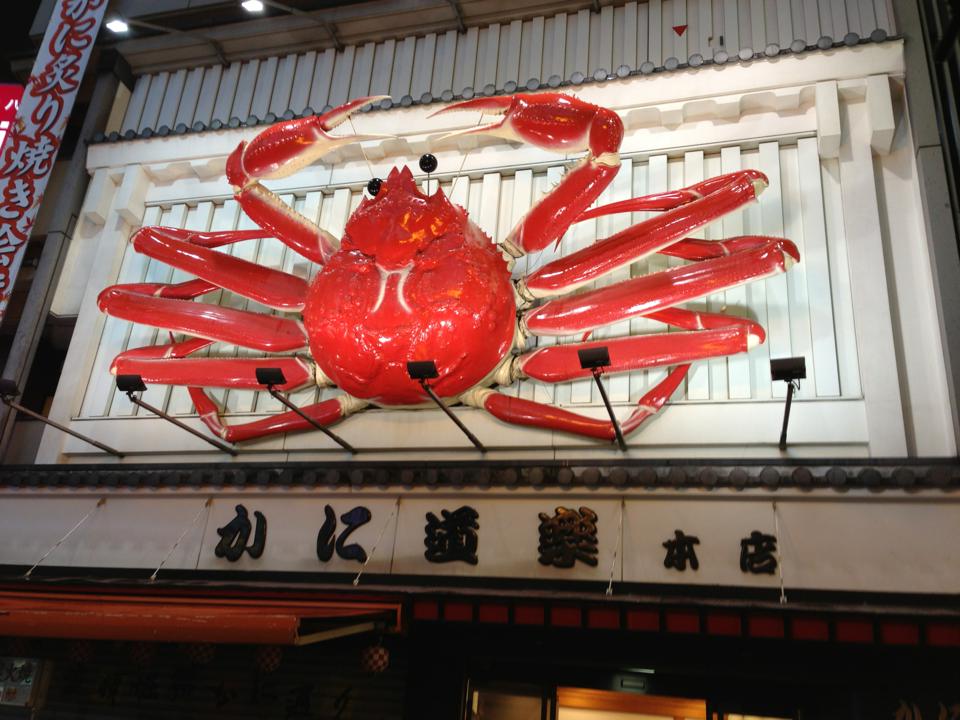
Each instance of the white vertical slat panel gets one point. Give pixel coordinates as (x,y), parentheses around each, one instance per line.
(758,25)
(581,57)
(487,55)
(810,30)
(322,77)
(657,182)
(643,34)
(154,101)
(362,70)
(731,28)
(171,99)
(382,68)
(655,32)
(582,235)
(667,34)
(801,342)
(444,63)
(475,200)
(797,16)
(535,58)
(508,63)
(144,335)
(847,355)
(342,74)
(883,16)
(296,264)
(246,84)
(704,35)
(520,203)
(778,29)
(209,90)
(853,16)
(198,218)
(719,41)
(841,24)
(601,56)
(263,90)
(715,302)
(467,46)
(459,192)
(558,48)
(744,24)
(629,29)
(486,216)
(423,59)
(618,387)
(738,366)
(100,386)
(283,86)
(778,307)
(868,18)
(759,357)
(692,32)
(680,40)
(618,25)
(698,379)
(302,79)
(818,269)
(402,69)
(638,380)
(825,12)
(226,91)
(138,98)
(189,98)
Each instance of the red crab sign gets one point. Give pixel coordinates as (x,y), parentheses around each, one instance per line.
(414,278)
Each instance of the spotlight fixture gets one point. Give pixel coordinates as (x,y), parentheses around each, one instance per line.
(117,26)
(791,371)
(595,359)
(131,384)
(9,390)
(252,6)
(423,370)
(269,377)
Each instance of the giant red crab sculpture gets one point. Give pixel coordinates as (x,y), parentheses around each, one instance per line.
(413,278)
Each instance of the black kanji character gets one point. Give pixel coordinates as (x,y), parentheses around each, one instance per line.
(568,536)
(452,538)
(234,536)
(327,540)
(680,550)
(758,554)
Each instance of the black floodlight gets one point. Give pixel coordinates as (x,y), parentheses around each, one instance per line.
(9,390)
(594,357)
(788,369)
(421,370)
(270,377)
(131,384)
(791,371)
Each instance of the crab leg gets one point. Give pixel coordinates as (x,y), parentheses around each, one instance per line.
(273,288)
(527,412)
(650,293)
(278,151)
(169,365)
(717,196)
(326,413)
(710,335)
(269,333)
(565,124)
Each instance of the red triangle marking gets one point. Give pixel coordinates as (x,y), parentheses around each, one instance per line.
(679,30)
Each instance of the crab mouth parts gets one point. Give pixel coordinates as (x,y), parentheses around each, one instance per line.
(385,276)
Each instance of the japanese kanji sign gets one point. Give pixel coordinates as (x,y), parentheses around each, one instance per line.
(34,138)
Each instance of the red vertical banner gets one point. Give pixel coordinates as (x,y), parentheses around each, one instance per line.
(33,138)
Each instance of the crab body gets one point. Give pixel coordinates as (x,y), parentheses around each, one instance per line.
(413,279)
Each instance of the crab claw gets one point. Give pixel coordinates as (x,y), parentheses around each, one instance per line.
(551,121)
(285,147)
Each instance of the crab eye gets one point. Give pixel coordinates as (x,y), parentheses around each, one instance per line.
(373,187)
(428,163)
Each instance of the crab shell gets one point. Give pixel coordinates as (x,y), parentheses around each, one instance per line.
(414,279)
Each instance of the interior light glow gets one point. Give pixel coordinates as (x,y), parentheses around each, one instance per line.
(252,5)
(117,25)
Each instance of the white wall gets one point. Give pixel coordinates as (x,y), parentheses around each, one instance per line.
(829,130)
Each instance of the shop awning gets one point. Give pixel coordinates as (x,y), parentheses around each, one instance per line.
(170,618)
